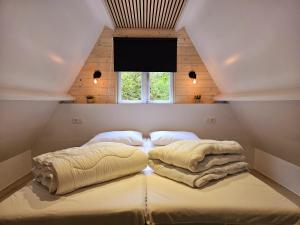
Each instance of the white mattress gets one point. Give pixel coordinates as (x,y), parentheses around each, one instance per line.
(239,199)
(121,200)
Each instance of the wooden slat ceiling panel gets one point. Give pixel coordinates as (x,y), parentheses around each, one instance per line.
(151,14)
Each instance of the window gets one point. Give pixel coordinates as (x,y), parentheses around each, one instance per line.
(141,87)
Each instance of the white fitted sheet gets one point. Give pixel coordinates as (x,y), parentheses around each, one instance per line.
(120,201)
(238,199)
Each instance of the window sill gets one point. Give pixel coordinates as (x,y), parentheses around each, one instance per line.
(17,95)
(98,103)
(146,103)
(278,95)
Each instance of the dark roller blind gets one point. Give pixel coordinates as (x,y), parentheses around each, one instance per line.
(145,54)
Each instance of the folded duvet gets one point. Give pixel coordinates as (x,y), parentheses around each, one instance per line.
(198,155)
(198,179)
(67,170)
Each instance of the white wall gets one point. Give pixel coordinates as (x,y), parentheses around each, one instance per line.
(61,133)
(45,43)
(273,126)
(281,171)
(247,46)
(14,169)
(20,123)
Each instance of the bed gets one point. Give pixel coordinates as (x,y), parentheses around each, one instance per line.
(148,198)
(120,201)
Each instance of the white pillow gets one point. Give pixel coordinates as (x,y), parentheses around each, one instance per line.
(125,137)
(168,137)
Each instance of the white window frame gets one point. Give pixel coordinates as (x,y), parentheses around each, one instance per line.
(145,90)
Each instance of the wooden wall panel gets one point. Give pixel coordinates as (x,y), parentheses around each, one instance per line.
(101,58)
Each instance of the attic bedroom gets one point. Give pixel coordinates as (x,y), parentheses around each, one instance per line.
(149,112)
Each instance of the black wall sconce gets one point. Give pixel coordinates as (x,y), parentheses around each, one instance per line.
(96,76)
(193,76)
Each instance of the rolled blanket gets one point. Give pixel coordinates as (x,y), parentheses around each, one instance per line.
(67,170)
(199,179)
(198,155)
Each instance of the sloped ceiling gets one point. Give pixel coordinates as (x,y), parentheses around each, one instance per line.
(253,47)
(248,46)
(45,43)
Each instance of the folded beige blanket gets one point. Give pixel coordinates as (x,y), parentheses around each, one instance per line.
(198,155)
(67,170)
(199,179)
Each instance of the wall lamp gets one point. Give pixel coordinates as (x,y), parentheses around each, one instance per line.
(193,76)
(96,76)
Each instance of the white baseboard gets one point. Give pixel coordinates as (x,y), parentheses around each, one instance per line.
(279,170)
(14,168)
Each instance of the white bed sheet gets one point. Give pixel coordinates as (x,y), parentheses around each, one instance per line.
(238,199)
(147,146)
(121,201)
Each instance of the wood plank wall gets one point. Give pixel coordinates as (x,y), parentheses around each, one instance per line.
(101,58)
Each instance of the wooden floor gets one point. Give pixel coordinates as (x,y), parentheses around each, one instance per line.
(282,190)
